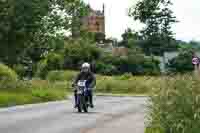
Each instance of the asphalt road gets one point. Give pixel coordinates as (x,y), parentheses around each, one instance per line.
(111,115)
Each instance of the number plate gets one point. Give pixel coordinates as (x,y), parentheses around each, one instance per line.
(81,83)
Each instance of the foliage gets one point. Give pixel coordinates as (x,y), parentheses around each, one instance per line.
(21,22)
(77,52)
(135,63)
(28,28)
(53,61)
(106,69)
(174,107)
(195,45)
(71,56)
(99,37)
(183,62)
(78,10)
(158,18)
(129,39)
(7,73)
(20,70)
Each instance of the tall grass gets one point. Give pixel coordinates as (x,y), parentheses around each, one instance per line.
(175,106)
(132,85)
(124,84)
(35,91)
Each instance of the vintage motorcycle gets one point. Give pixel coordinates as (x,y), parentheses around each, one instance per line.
(82,96)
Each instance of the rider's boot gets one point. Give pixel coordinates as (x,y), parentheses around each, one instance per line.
(91,99)
(75,100)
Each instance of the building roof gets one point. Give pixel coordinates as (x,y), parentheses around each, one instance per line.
(96,12)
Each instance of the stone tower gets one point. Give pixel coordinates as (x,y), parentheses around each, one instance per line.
(95,21)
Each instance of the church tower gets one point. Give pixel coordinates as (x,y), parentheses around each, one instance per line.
(95,21)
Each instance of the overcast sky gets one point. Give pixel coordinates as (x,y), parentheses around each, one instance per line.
(117,20)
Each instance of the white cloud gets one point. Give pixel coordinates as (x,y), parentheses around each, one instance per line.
(117,19)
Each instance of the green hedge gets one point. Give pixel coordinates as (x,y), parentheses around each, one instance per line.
(136,64)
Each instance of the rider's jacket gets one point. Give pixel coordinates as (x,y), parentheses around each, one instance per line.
(88,76)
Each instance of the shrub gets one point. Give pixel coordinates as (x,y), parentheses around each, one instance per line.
(8,77)
(20,69)
(53,61)
(106,69)
(182,63)
(7,73)
(79,52)
(175,107)
(42,69)
(151,66)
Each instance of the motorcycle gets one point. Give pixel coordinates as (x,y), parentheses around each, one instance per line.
(82,96)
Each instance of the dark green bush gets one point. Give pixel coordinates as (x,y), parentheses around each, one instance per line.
(182,63)
(20,70)
(42,69)
(78,52)
(53,61)
(136,64)
(151,66)
(106,69)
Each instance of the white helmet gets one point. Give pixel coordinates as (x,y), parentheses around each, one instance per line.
(86,65)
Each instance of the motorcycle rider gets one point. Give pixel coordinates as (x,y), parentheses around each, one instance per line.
(87,75)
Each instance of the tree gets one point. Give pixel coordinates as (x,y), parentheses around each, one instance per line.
(19,22)
(22,25)
(129,38)
(78,51)
(158,18)
(79,10)
(30,25)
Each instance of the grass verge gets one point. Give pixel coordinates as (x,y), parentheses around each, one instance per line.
(28,92)
(175,107)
